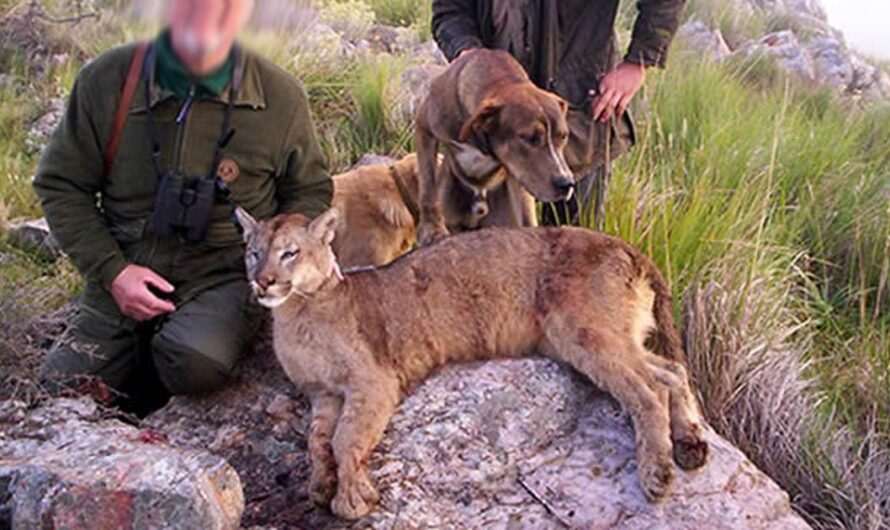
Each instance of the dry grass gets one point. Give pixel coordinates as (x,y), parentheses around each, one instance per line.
(34,308)
(748,354)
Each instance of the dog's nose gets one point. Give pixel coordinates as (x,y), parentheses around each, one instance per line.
(563,184)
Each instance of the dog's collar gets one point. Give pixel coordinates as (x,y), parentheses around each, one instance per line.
(491,178)
(407,198)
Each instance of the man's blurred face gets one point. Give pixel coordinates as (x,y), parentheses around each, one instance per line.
(203,31)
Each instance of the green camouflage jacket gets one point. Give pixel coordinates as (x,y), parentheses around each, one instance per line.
(103,221)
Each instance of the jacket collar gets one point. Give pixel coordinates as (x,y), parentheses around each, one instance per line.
(250,94)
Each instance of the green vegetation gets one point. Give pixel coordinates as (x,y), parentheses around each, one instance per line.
(764,203)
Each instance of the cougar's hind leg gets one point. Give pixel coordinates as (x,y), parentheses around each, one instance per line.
(323,479)
(687,430)
(615,366)
(366,412)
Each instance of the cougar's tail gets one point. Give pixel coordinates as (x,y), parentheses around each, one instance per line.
(665,337)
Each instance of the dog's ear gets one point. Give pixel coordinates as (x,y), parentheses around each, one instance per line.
(246,221)
(481,122)
(563,105)
(324,227)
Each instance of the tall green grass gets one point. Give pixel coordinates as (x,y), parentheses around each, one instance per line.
(769,205)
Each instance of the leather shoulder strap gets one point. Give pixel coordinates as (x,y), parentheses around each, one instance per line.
(123,106)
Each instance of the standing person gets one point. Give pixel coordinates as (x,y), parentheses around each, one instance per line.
(140,198)
(570,47)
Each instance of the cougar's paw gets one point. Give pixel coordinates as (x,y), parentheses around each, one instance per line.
(366,488)
(322,487)
(429,233)
(349,504)
(656,476)
(691,451)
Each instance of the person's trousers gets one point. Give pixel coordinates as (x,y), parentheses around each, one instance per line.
(586,206)
(192,350)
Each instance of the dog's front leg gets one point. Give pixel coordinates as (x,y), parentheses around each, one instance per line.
(366,412)
(431,227)
(522,203)
(325,413)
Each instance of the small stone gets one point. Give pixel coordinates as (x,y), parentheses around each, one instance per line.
(281,408)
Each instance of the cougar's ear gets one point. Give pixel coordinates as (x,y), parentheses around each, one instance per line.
(482,122)
(246,221)
(472,161)
(324,227)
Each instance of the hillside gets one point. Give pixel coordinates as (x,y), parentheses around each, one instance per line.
(759,185)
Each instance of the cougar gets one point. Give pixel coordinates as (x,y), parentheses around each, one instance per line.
(356,344)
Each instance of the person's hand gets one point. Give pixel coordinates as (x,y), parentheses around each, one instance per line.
(616,90)
(130,290)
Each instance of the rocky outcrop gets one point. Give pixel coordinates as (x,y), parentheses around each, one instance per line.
(805,45)
(702,38)
(62,465)
(507,444)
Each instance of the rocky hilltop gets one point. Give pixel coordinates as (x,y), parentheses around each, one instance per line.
(798,36)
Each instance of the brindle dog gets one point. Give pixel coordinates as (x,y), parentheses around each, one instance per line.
(503,139)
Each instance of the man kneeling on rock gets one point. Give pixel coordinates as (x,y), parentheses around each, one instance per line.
(158,142)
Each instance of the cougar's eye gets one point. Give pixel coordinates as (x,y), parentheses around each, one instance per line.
(253,256)
(290,254)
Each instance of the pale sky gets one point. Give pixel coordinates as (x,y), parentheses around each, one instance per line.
(865,23)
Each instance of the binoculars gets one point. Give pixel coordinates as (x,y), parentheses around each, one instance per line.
(183,205)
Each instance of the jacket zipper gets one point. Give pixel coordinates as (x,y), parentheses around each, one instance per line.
(182,121)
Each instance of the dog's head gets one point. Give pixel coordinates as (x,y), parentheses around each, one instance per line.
(525,130)
(288,254)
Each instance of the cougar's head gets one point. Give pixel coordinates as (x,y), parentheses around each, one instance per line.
(288,254)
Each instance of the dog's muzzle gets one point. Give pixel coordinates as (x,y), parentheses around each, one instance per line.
(564,186)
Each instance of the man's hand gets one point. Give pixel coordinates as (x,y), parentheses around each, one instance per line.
(616,90)
(130,290)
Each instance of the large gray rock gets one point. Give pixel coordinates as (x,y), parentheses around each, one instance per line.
(824,61)
(413,89)
(43,127)
(62,465)
(33,235)
(507,444)
(786,49)
(709,42)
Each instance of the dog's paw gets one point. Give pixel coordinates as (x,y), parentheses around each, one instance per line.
(349,504)
(427,234)
(656,476)
(691,451)
(322,487)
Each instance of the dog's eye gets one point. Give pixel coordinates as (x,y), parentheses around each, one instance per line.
(290,254)
(533,139)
